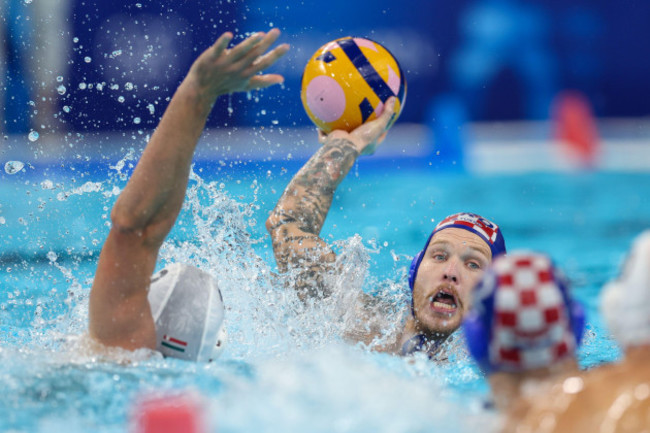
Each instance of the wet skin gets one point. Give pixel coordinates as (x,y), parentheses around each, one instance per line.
(453,264)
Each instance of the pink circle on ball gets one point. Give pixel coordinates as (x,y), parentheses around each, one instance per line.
(325,98)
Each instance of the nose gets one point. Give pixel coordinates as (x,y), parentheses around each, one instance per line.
(451,271)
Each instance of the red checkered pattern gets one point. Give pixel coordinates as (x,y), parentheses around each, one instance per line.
(531,326)
(485,227)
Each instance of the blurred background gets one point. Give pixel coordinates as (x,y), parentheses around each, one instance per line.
(478,71)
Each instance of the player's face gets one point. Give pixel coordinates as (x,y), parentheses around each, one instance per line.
(452,265)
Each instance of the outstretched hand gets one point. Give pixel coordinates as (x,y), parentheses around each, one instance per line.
(220,70)
(369,135)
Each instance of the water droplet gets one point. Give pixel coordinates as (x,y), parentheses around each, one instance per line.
(116,53)
(275,122)
(75,39)
(138,5)
(128,86)
(263,112)
(2,220)
(87,59)
(120,98)
(32,136)
(59,79)
(136,120)
(13,167)
(151,108)
(47,184)
(27,1)
(83,86)
(61,89)
(66,108)
(51,256)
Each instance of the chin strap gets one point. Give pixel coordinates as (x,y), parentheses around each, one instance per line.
(420,343)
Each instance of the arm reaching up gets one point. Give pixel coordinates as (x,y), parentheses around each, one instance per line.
(145,212)
(296,221)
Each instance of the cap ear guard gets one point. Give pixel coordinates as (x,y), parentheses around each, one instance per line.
(413,269)
(575,309)
(415,263)
(476,323)
(477,337)
(222,337)
(577,317)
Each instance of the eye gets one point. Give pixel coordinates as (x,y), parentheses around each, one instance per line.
(474,265)
(439,256)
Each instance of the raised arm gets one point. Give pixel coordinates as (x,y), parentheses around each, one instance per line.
(145,212)
(296,221)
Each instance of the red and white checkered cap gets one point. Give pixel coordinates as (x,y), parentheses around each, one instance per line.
(531,325)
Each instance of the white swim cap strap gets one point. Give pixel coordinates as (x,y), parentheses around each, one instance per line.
(213,325)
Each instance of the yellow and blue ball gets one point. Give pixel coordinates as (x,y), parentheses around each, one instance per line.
(347,81)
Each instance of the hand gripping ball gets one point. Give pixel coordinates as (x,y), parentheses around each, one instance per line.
(347,81)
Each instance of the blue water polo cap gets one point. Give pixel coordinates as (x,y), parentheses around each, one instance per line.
(482,227)
(522,315)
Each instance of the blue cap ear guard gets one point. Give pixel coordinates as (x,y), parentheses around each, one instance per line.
(477,321)
(415,263)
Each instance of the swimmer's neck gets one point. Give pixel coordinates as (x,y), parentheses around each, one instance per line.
(509,388)
(411,329)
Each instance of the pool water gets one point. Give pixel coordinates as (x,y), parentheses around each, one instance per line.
(285,367)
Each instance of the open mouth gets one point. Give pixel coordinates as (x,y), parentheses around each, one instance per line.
(444,302)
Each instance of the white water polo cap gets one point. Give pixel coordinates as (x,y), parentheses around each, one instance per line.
(188,311)
(625,302)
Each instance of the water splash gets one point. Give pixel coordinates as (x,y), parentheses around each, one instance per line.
(47,184)
(32,136)
(83,189)
(13,167)
(119,166)
(264,314)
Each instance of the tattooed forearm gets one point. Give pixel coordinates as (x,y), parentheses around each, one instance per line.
(298,218)
(309,195)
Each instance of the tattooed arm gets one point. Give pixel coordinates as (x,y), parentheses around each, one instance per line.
(297,219)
